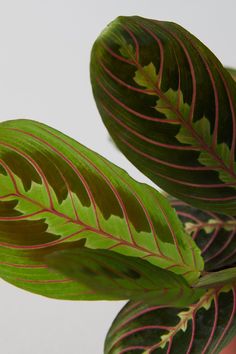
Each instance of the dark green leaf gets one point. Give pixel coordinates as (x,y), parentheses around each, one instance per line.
(55,193)
(215,234)
(170,107)
(205,327)
(113,276)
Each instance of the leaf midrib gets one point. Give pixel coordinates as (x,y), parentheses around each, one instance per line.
(215,225)
(95,230)
(185,123)
(189,316)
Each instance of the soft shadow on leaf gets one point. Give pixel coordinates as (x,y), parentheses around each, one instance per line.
(113,276)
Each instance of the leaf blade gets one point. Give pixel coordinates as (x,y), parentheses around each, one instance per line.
(214,279)
(205,327)
(215,234)
(232,72)
(51,198)
(117,277)
(145,119)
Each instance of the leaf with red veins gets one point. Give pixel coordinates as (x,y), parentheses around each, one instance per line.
(56,193)
(205,327)
(170,107)
(215,234)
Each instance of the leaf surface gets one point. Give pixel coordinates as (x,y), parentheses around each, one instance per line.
(205,327)
(232,72)
(56,193)
(114,276)
(214,279)
(170,107)
(215,234)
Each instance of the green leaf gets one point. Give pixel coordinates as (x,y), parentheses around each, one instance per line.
(141,77)
(113,276)
(232,72)
(170,107)
(210,280)
(215,234)
(202,127)
(55,193)
(126,50)
(205,327)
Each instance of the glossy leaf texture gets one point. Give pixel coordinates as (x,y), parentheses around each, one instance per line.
(113,276)
(205,327)
(215,234)
(56,193)
(170,107)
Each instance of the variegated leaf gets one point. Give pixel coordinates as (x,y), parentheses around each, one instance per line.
(205,327)
(170,107)
(215,234)
(56,193)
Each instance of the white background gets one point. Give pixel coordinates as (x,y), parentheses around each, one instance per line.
(44,75)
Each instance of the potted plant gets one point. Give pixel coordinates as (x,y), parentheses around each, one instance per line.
(75,226)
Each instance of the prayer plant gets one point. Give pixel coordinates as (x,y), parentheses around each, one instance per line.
(74,226)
